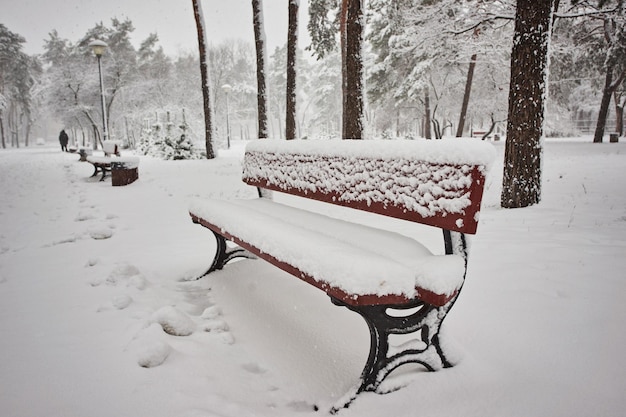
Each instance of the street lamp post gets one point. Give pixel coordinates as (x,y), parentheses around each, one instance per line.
(227,89)
(98,48)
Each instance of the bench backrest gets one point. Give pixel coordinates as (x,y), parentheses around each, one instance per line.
(111,147)
(435,182)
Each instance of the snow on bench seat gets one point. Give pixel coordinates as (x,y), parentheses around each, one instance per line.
(128,161)
(105,160)
(356,259)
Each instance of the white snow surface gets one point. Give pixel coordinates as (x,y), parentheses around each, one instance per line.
(358,259)
(128,161)
(452,151)
(88,272)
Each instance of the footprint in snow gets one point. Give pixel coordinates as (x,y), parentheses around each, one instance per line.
(214,324)
(120,302)
(174,321)
(188,276)
(227,338)
(81,217)
(92,262)
(211,312)
(150,349)
(128,274)
(302,406)
(254,368)
(70,239)
(101,233)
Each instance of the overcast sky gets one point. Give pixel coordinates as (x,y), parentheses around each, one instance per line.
(172,20)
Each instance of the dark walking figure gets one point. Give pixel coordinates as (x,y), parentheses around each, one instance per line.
(63,139)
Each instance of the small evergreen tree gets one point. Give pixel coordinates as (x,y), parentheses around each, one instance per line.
(169,142)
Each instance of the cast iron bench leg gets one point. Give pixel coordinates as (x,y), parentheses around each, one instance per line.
(224,254)
(95,170)
(422,319)
(104,172)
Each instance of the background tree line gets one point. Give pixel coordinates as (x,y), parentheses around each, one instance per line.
(143,84)
(417,59)
(432,68)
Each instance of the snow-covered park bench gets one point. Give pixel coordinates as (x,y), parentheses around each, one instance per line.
(393,281)
(124,170)
(84,153)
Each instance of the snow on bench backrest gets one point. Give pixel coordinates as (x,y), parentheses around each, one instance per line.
(434,182)
(111,147)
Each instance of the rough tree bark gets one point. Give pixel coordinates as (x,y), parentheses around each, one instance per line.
(353,63)
(521,184)
(261,67)
(292,43)
(205,77)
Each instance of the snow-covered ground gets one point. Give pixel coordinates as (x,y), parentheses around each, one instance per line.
(91,275)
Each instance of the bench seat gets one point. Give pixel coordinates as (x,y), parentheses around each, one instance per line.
(354,263)
(99,160)
(126,167)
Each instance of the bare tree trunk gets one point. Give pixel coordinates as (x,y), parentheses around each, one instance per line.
(466,96)
(4,143)
(261,67)
(521,184)
(344,73)
(204,73)
(604,106)
(353,89)
(610,87)
(427,129)
(27,132)
(619,114)
(491,128)
(292,42)
(14,126)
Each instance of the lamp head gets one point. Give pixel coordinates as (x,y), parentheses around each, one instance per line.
(98,47)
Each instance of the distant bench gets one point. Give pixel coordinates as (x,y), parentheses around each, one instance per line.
(124,170)
(394,282)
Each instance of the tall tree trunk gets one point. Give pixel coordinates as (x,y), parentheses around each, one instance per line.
(521,184)
(344,72)
(4,143)
(28,126)
(261,67)
(619,113)
(610,86)
(353,89)
(466,96)
(604,106)
(205,77)
(292,43)
(427,128)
